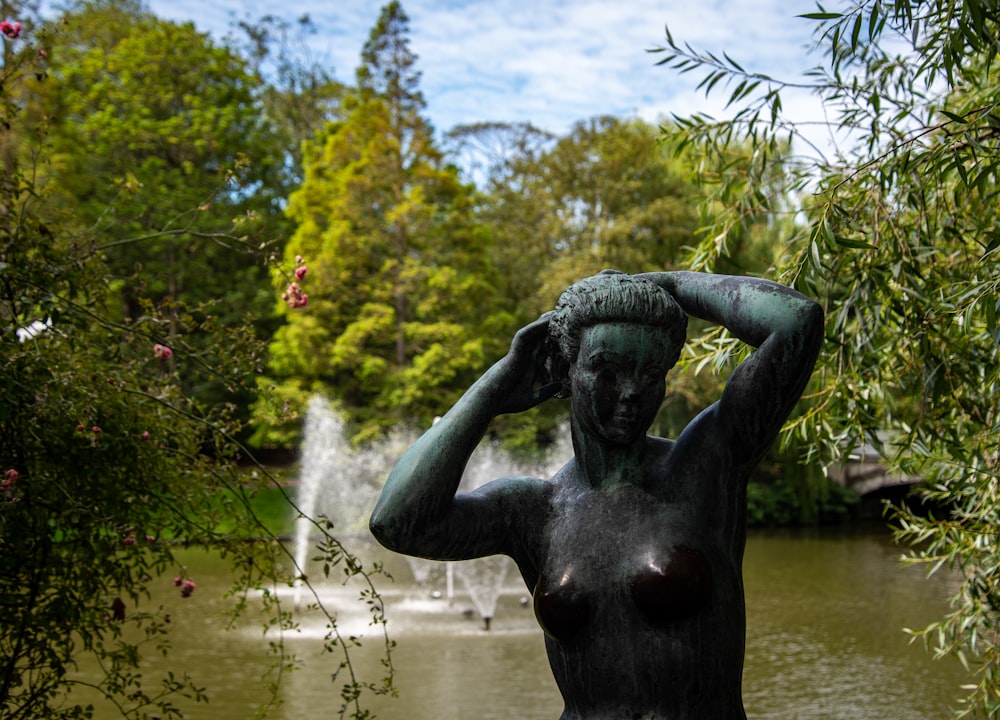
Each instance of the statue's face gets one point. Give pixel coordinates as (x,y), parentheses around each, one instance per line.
(618,380)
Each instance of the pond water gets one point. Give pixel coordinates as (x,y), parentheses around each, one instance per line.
(825,612)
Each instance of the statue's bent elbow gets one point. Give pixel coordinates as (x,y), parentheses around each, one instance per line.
(384,529)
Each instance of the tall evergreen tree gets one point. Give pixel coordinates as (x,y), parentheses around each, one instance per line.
(399,286)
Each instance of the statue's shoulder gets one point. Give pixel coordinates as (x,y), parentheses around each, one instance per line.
(709,435)
(658,445)
(708,426)
(516,488)
(518,501)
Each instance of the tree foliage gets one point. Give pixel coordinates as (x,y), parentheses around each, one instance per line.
(300,95)
(488,152)
(898,236)
(604,195)
(401,298)
(107,462)
(155,140)
(171,129)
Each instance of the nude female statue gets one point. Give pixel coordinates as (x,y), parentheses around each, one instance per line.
(633,550)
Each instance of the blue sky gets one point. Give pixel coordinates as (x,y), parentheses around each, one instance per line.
(550,62)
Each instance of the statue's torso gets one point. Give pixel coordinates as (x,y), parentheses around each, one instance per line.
(641,600)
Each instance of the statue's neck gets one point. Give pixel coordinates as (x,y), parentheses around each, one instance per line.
(603,464)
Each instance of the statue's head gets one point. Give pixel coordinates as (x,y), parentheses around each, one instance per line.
(610,297)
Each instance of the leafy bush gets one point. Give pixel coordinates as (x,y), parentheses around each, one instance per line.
(781,503)
(107,462)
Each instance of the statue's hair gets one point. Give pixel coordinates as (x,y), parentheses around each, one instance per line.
(611,296)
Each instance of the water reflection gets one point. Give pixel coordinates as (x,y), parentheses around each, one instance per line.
(824,641)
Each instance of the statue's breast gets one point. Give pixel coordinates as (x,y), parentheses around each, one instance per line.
(563,603)
(671,585)
(663,584)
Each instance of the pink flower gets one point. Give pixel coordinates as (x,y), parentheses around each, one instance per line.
(178,581)
(81,427)
(300,272)
(96,429)
(294,296)
(130,540)
(299,260)
(162,351)
(11,30)
(9,478)
(145,435)
(187,587)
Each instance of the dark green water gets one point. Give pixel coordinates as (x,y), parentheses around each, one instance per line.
(825,612)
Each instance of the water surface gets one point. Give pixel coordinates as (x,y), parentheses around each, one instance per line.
(825,613)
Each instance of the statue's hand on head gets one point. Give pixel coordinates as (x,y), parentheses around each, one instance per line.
(521,378)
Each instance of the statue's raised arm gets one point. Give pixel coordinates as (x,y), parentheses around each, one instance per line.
(784,326)
(418,512)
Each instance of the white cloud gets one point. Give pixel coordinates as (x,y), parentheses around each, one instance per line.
(551,62)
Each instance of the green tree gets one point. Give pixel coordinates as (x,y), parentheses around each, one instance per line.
(899,241)
(156,141)
(489,152)
(401,301)
(300,94)
(605,195)
(107,464)
(172,123)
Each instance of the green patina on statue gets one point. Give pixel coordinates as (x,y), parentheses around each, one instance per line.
(633,550)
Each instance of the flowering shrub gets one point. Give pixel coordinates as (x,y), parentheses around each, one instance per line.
(9,478)
(107,462)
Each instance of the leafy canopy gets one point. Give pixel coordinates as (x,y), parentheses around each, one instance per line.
(108,463)
(896,232)
(402,305)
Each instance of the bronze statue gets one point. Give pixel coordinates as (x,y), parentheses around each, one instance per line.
(633,550)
